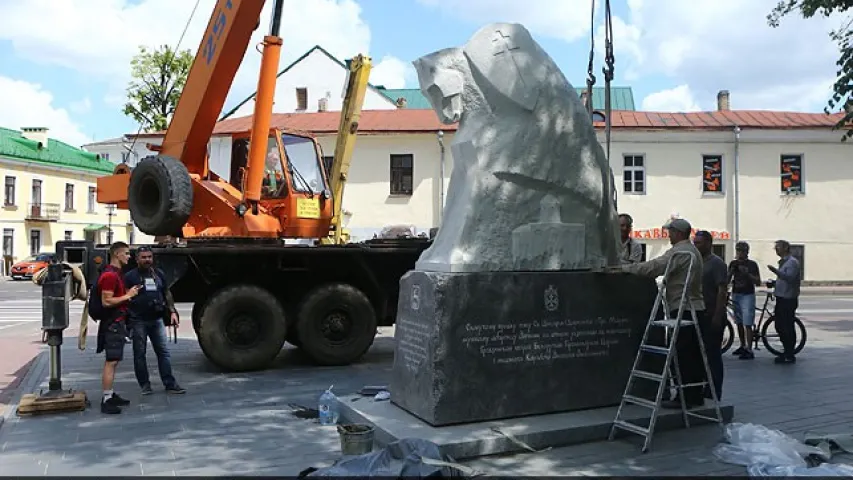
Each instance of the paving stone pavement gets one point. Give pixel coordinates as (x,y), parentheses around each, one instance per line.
(244,424)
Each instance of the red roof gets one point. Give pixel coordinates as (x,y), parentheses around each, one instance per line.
(419,121)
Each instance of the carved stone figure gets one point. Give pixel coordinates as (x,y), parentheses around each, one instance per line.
(523,135)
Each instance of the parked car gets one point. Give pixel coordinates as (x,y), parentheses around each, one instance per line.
(26,268)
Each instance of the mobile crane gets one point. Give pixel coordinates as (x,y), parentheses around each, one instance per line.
(251,291)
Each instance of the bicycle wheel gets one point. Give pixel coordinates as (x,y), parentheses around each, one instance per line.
(774,346)
(728,337)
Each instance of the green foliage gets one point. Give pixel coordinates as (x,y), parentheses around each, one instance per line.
(158,77)
(842,97)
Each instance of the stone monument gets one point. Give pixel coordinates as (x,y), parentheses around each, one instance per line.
(523,135)
(507,313)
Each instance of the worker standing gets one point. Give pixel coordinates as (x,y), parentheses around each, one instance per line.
(148,315)
(689,354)
(112,329)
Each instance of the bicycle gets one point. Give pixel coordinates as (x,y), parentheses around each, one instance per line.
(761,328)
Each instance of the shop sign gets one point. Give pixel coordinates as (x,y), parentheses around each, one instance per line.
(658,233)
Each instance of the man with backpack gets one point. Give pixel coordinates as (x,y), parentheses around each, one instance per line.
(108,304)
(148,316)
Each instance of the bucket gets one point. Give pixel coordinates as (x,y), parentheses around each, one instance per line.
(356,439)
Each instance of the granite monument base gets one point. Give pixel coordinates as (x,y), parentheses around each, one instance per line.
(499,437)
(474,347)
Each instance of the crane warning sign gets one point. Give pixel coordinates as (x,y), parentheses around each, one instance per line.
(308,207)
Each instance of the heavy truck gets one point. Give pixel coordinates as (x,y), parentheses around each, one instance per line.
(225,246)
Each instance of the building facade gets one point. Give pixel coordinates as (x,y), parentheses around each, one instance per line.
(49,195)
(743,175)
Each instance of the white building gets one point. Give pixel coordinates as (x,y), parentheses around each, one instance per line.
(767,167)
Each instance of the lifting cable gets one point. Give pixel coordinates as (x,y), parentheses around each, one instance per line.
(590,81)
(608,70)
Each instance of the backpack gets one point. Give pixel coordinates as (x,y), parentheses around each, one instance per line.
(97,311)
(96,306)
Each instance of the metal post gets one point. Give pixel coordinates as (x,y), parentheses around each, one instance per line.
(56,294)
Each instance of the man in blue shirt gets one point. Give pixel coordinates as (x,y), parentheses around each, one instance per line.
(787,291)
(148,314)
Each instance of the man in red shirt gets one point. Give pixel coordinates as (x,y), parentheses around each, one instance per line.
(112,330)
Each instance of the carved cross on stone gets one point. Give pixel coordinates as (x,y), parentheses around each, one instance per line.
(504,45)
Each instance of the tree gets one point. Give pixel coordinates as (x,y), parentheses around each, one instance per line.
(158,77)
(842,97)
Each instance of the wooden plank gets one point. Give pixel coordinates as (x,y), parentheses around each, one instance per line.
(32,404)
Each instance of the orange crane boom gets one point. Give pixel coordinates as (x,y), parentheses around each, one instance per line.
(283,191)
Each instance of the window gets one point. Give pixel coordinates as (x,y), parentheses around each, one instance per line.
(35,242)
(327,164)
(719,250)
(402,170)
(68,234)
(8,242)
(791,174)
(634,174)
(69,197)
(301,98)
(712,174)
(798,251)
(643,257)
(105,156)
(92,198)
(9,192)
(36,192)
(598,117)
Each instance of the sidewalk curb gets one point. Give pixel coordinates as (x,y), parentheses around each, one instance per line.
(31,381)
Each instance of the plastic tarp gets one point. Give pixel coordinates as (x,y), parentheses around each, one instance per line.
(405,458)
(770,453)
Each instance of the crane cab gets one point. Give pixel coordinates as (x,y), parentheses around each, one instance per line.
(295,186)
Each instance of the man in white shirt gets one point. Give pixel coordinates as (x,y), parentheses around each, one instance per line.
(632,251)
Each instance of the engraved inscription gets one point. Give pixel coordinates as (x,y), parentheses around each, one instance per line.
(546,340)
(412,343)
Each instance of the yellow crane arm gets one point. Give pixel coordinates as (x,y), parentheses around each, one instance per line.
(359,73)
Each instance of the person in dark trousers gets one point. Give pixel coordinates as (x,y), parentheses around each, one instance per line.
(112,329)
(149,314)
(715,282)
(744,277)
(787,291)
(687,347)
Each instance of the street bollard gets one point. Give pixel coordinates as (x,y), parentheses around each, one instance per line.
(56,295)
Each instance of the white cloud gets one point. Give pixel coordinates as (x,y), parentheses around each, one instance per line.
(25,104)
(118,27)
(678,99)
(708,45)
(392,72)
(564,19)
(714,45)
(81,107)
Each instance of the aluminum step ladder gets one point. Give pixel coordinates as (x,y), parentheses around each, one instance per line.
(665,378)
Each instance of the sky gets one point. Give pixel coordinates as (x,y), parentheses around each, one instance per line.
(65,64)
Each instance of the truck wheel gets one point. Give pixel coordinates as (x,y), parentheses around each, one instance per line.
(242,328)
(197,313)
(160,195)
(336,324)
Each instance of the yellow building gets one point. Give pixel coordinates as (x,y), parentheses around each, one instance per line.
(49,195)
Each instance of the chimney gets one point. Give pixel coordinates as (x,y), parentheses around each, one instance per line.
(322,104)
(36,134)
(723,100)
(401,102)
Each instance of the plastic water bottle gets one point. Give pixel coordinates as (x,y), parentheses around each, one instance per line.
(328,407)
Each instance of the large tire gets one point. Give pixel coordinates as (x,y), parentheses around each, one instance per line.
(800,336)
(242,328)
(196,315)
(160,195)
(728,336)
(336,324)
